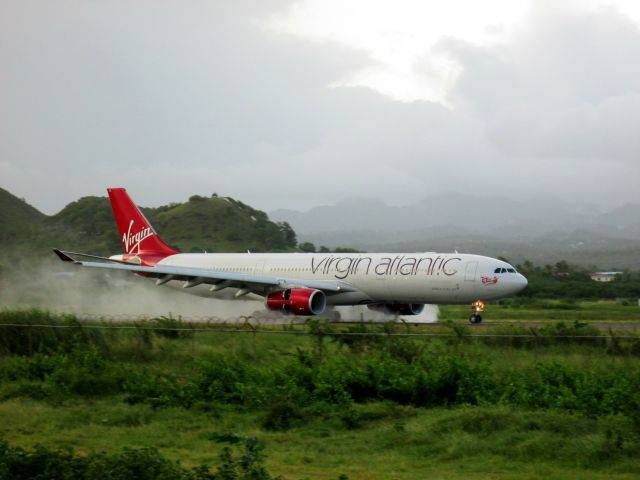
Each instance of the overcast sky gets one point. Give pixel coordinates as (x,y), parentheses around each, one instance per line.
(287,104)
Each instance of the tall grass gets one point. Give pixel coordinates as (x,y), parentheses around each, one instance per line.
(26,332)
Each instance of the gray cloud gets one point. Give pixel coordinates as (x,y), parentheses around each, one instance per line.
(566,88)
(178,99)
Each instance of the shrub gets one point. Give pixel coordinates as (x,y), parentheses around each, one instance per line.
(281,414)
(27,332)
(83,371)
(141,464)
(172,328)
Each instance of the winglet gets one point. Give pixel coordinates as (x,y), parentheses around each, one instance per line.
(63,256)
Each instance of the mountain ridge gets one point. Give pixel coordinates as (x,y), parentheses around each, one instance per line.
(87,225)
(542,230)
(546,232)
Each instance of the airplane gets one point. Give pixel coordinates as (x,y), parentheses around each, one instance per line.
(307,283)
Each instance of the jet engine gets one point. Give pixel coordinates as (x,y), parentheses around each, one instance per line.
(299,301)
(399,308)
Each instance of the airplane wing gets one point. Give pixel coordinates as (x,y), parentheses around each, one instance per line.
(217,278)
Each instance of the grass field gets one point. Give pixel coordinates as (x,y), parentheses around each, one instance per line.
(525,310)
(400,443)
(325,408)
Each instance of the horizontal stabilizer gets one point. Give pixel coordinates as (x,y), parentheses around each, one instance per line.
(67,257)
(63,256)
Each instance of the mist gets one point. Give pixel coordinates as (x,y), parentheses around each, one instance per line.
(121,296)
(115,295)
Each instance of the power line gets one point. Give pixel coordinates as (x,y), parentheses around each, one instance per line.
(327,334)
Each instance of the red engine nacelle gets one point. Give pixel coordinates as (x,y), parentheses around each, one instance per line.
(399,308)
(299,301)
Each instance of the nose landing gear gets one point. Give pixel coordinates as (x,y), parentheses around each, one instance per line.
(477,308)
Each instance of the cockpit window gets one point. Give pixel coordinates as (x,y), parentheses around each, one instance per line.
(505,270)
(497,270)
(511,270)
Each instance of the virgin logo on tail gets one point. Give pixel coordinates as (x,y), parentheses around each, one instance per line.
(130,242)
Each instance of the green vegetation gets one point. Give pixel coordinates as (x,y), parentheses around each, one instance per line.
(311,248)
(85,225)
(565,281)
(373,405)
(19,221)
(141,464)
(220,224)
(212,224)
(521,309)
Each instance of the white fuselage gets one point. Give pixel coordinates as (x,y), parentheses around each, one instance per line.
(430,278)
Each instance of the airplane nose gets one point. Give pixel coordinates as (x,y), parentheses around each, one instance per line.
(521,281)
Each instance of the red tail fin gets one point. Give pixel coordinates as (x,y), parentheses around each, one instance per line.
(137,235)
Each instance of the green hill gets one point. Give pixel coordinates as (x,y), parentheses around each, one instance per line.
(213,224)
(86,225)
(20,223)
(219,224)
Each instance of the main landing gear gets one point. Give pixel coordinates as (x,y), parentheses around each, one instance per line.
(477,308)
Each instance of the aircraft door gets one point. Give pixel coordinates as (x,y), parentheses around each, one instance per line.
(470,271)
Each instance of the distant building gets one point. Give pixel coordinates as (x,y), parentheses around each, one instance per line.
(604,276)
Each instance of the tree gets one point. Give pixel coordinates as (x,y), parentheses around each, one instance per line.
(288,234)
(527,266)
(346,250)
(307,247)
